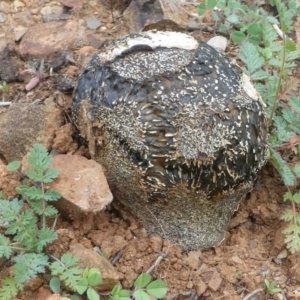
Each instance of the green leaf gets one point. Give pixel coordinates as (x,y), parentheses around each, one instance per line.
(5,248)
(10,210)
(254,39)
(287,215)
(288,196)
(92,294)
(94,277)
(201,9)
(14,165)
(32,192)
(157,288)
(51,195)
(55,285)
(141,295)
(238,36)
(282,167)
(82,286)
(254,29)
(142,280)
(50,175)
(251,57)
(66,270)
(116,290)
(211,4)
(233,18)
(296,198)
(46,236)
(124,295)
(296,170)
(39,158)
(10,288)
(295,103)
(29,265)
(50,211)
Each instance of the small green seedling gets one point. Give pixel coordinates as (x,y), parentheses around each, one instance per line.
(91,278)
(4,87)
(147,290)
(55,286)
(271,287)
(119,294)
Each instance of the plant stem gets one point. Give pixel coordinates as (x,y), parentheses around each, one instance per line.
(274,106)
(44,205)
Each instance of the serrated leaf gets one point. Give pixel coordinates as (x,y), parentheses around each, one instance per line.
(50,211)
(296,170)
(251,57)
(10,288)
(10,209)
(39,158)
(82,286)
(259,75)
(94,277)
(5,248)
(143,280)
(29,265)
(296,198)
(51,195)
(141,295)
(295,103)
(67,271)
(50,175)
(46,236)
(55,285)
(282,167)
(14,166)
(157,288)
(92,294)
(32,192)
(35,175)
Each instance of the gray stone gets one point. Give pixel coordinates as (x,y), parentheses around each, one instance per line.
(93,23)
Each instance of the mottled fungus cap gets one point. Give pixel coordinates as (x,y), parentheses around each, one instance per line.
(180,129)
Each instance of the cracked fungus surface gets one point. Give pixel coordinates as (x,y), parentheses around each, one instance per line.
(180,130)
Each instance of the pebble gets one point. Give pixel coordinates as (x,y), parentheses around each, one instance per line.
(18,4)
(218,42)
(215,281)
(19,32)
(2,18)
(93,23)
(4,7)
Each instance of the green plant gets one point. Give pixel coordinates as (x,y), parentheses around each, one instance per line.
(4,87)
(269,56)
(271,287)
(145,289)
(24,234)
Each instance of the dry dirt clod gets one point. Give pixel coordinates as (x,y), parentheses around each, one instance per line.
(215,281)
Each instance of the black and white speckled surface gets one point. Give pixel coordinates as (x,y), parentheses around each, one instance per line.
(180,130)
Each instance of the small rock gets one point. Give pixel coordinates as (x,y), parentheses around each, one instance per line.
(19,32)
(18,4)
(9,64)
(90,259)
(2,18)
(82,185)
(5,7)
(76,4)
(201,287)
(218,42)
(43,293)
(23,125)
(51,13)
(56,37)
(215,281)
(9,181)
(140,16)
(64,82)
(93,23)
